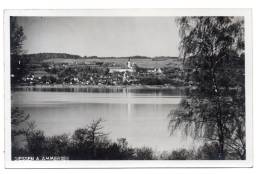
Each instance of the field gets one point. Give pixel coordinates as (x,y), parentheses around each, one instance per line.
(145,63)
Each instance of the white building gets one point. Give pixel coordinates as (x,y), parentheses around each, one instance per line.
(119,69)
(129,68)
(155,70)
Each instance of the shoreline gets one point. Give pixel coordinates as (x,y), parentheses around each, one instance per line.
(97,87)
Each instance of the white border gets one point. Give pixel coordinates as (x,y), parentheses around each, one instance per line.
(132,164)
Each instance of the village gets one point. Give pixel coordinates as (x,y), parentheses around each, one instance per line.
(99,73)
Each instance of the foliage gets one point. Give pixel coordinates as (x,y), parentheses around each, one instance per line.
(36,142)
(88,140)
(18,119)
(18,123)
(16,37)
(18,62)
(50,79)
(120,151)
(144,153)
(213,52)
(209,151)
(57,145)
(181,154)
(18,116)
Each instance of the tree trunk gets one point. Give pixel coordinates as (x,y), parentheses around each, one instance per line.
(220,135)
(221,155)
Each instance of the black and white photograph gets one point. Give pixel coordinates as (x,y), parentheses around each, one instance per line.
(109,88)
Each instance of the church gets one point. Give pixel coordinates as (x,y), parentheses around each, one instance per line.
(129,68)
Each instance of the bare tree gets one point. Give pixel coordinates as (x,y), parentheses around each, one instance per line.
(95,134)
(87,139)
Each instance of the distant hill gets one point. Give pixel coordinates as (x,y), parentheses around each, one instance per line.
(39,57)
(111,57)
(43,56)
(162,58)
(133,57)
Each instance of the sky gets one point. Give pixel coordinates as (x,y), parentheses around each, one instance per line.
(101,36)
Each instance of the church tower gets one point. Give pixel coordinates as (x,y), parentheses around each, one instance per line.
(129,63)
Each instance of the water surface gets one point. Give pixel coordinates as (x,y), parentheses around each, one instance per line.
(140,117)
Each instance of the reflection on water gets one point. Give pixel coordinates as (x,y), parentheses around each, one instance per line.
(142,119)
(157,91)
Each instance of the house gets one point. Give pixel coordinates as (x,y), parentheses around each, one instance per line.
(154,70)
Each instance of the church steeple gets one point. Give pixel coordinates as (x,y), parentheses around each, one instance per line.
(129,63)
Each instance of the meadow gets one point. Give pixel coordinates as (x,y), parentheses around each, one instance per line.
(142,62)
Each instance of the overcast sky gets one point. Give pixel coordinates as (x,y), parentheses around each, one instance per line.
(101,36)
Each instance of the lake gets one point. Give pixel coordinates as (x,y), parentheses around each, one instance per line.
(139,115)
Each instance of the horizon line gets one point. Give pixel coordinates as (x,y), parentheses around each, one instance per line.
(97,55)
